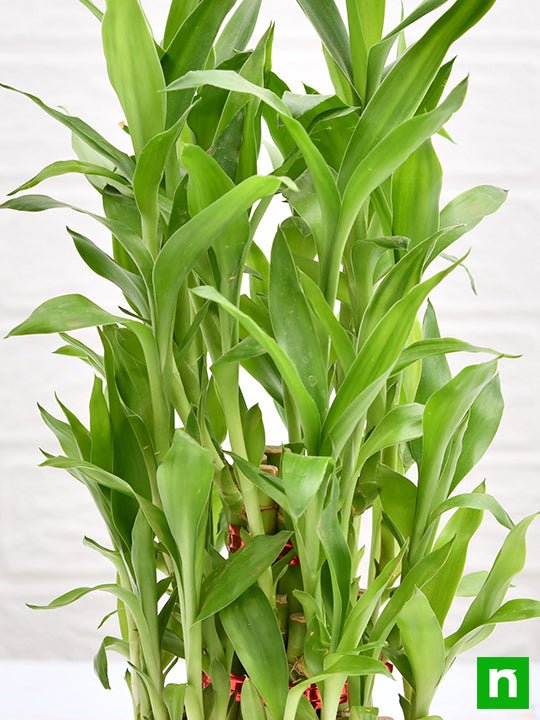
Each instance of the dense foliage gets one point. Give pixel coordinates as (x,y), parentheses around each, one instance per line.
(335,326)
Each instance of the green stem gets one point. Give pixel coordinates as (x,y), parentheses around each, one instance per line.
(333,687)
(227,383)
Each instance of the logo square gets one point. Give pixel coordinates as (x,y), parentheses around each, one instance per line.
(502,683)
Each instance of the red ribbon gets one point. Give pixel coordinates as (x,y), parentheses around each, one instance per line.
(237,682)
(312,693)
(314,696)
(286,550)
(235,541)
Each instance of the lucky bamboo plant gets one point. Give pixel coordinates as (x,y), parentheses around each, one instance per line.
(240,557)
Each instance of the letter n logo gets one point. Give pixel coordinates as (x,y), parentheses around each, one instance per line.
(502,683)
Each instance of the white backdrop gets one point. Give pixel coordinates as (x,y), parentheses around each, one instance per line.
(53,49)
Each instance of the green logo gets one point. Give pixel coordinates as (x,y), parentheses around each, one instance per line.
(502,683)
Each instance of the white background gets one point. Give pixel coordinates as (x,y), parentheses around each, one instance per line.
(53,49)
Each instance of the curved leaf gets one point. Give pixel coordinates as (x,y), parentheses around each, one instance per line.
(484,419)
(64,313)
(444,413)
(252,628)
(375,361)
(292,323)
(432,347)
(306,405)
(103,265)
(424,644)
(239,572)
(129,240)
(85,132)
(402,90)
(184,481)
(64,167)
(302,477)
(400,424)
(326,19)
(187,244)
(508,563)
(189,49)
(134,69)
(516,610)
(238,31)
(321,174)
(477,502)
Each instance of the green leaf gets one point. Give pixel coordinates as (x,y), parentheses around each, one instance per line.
(338,555)
(62,431)
(478,502)
(401,424)
(102,451)
(444,413)
(389,154)
(81,350)
(404,87)
(323,313)
(134,69)
(292,323)
(362,713)
(96,12)
(190,48)
(326,19)
(128,598)
(246,349)
(143,557)
(252,628)
(173,696)
(398,497)
(416,578)
(471,584)
(129,240)
(508,563)
(433,347)
(237,33)
(484,420)
(147,180)
(184,480)
(187,244)
(302,478)
(323,179)
(366,605)
(89,470)
(457,534)
(268,483)
(239,572)
(85,132)
(516,610)
(375,361)
(103,265)
(101,666)
(63,313)
(251,703)
(416,190)
(398,281)
(179,11)
(472,206)
(207,183)
(424,644)
(64,167)
(379,53)
(306,406)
